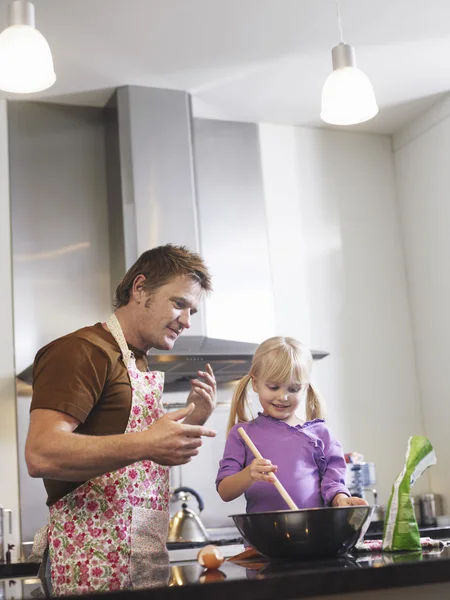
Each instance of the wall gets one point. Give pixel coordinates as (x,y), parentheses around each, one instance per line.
(316,254)
(9,488)
(423,181)
(59,222)
(232,223)
(339,283)
(60,243)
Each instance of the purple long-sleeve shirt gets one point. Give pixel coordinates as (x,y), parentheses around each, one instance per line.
(311,464)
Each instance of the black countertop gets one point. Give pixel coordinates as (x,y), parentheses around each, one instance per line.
(271,581)
(355,572)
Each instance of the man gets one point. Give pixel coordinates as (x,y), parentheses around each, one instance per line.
(99,437)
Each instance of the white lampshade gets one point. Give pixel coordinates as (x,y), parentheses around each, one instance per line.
(347,96)
(26,63)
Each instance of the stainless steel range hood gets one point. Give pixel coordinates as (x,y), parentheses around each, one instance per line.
(229,359)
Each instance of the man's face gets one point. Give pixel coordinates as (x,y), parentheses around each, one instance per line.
(163,315)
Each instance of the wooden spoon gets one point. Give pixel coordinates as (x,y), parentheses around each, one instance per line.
(277,483)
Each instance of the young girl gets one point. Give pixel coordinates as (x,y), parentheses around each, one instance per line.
(308,460)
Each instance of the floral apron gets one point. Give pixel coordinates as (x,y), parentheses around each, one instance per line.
(110,533)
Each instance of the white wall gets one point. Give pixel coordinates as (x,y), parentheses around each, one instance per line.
(422,153)
(339,283)
(9,474)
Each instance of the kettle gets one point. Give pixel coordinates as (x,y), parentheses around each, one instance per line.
(185,525)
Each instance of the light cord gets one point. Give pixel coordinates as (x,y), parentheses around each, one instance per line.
(338,12)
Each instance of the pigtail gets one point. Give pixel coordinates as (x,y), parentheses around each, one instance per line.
(315,407)
(239,404)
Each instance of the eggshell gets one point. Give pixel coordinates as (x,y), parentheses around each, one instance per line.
(210,557)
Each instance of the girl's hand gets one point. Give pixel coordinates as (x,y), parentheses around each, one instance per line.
(344,500)
(260,470)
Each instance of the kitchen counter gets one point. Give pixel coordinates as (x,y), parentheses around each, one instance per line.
(339,577)
(227,538)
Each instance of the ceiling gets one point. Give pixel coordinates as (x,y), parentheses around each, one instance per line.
(248,60)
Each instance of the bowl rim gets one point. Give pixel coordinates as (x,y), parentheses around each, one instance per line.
(305,510)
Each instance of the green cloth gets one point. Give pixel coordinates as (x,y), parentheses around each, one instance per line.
(401,531)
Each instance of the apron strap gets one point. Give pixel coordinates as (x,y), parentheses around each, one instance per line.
(117,333)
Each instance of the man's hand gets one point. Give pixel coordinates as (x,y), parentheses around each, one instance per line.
(203,395)
(344,500)
(55,451)
(169,442)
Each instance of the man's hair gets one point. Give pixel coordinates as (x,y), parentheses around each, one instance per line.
(159,266)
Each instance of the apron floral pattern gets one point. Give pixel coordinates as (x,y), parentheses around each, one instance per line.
(110,533)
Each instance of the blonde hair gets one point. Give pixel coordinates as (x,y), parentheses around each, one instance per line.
(277,359)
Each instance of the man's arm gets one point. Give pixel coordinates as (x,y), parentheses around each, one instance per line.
(54,451)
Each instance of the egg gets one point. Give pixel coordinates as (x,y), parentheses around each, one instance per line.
(210,557)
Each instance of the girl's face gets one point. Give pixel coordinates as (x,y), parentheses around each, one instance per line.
(279,400)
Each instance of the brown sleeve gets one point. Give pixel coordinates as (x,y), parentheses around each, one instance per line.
(69,375)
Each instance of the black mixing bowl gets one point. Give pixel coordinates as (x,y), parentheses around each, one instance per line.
(305,533)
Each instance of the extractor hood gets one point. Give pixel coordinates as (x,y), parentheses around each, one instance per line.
(230,360)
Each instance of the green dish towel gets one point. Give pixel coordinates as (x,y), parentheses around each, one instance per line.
(401,531)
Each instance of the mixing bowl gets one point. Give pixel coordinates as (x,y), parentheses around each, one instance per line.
(304,533)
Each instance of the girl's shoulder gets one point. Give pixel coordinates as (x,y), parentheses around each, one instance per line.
(315,424)
(248,427)
(245,426)
(319,429)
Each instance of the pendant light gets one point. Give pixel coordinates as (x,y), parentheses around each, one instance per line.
(26,63)
(347,95)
